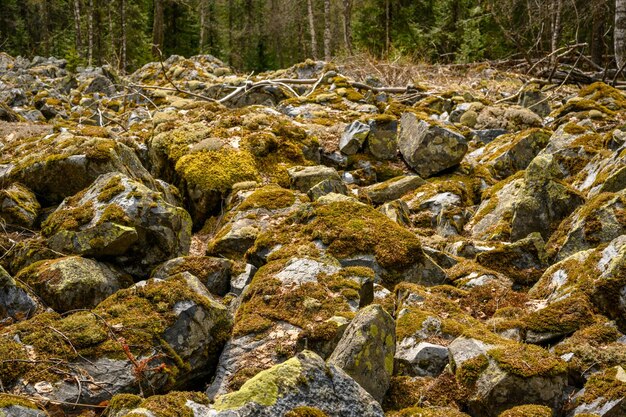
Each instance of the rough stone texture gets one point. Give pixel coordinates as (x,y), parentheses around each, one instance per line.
(18,206)
(214,273)
(73,283)
(421,359)
(391,189)
(15,302)
(121,219)
(366,350)
(353,138)
(382,141)
(304,178)
(304,380)
(326,187)
(604,395)
(398,211)
(429,149)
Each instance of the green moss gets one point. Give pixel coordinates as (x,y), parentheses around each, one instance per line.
(306,412)
(114,213)
(528,411)
(7,400)
(429,412)
(111,189)
(574,129)
(470,370)
(11,355)
(561,317)
(264,388)
(71,218)
(173,404)
(271,197)
(605,385)
(527,361)
(123,401)
(217,170)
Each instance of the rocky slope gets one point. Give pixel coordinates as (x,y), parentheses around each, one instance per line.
(187,242)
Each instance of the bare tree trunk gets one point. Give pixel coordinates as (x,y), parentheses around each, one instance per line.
(231,22)
(124,40)
(312,29)
(347,25)
(113,52)
(204,7)
(619,34)
(327,35)
(598,25)
(157,29)
(90,29)
(79,37)
(387,19)
(556,27)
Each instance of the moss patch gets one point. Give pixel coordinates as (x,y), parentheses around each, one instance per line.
(527,361)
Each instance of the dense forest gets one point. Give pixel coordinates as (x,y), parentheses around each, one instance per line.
(267,34)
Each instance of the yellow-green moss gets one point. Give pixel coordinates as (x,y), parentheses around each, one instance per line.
(173,404)
(604,385)
(528,360)
(271,197)
(111,189)
(528,411)
(7,400)
(470,370)
(561,317)
(71,218)
(306,412)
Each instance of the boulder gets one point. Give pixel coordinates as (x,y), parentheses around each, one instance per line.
(302,381)
(511,118)
(421,359)
(353,138)
(528,411)
(188,404)
(15,406)
(73,283)
(214,273)
(366,350)
(158,333)
(391,189)
(604,394)
(304,178)
(429,148)
(398,211)
(120,219)
(15,302)
(19,206)
(326,187)
(382,141)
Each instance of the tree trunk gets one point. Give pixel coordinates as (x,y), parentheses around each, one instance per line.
(204,11)
(90,29)
(347,25)
(598,25)
(112,47)
(556,27)
(79,37)
(327,35)
(312,29)
(123,58)
(619,34)
(157,29)
(387,34)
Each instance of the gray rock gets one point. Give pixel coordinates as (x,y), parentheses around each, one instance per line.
(429,149)
(20,410)
(238,283)
(605,404)
(353,137)
(382,142)
(398,211)
(391,189)
(327,187)
(366,350)
(18,206)
(421,359)
(304,178)
(488,135)
(304,380)
(536,101)
(73,283)
(15,302)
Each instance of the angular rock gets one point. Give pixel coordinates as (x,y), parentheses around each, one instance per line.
(15,302)
(188,404)
(14,406)
(366,350)
(391,189)
(422,359)
(304,178)
(304,380)
(511,118)
(353,138)
(398,211)
(73,283)
(327,187)
(528,411)
(429,149)
(604,394)
(120,219)
(382,141)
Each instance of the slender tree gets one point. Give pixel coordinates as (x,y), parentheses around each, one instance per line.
(90,15)
(327,33)
(123,47)
(312,29)
(157,28)
(619,33)
(77,29)
(347,26)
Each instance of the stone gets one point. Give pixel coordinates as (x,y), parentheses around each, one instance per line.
(304,380)
(304,178)
(14,406)
(421,359)
(429,148)
(382,140)
(398,211)
(391,189)
(536,101)
(353,137)
(19,206)
(326,187)
(604,394)
(73,283)
(214,273)
(15,302)
(366,350)
(120,219)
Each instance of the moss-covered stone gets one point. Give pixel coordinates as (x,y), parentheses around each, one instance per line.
(528,411)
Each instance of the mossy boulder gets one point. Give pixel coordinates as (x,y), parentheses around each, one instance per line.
(159,333)
(73,283)
(528,411)
(535,200)
(429,148)
(597,96)
(304,178)
(356,235)
(510,153)
(60,165)
(598,221)
(304,380)
(214,273)
(19,206)
(392,189)
(17,406)
(604,394)
(353,137)
(366,350)
(511,118)
(120,219)
(172,404)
